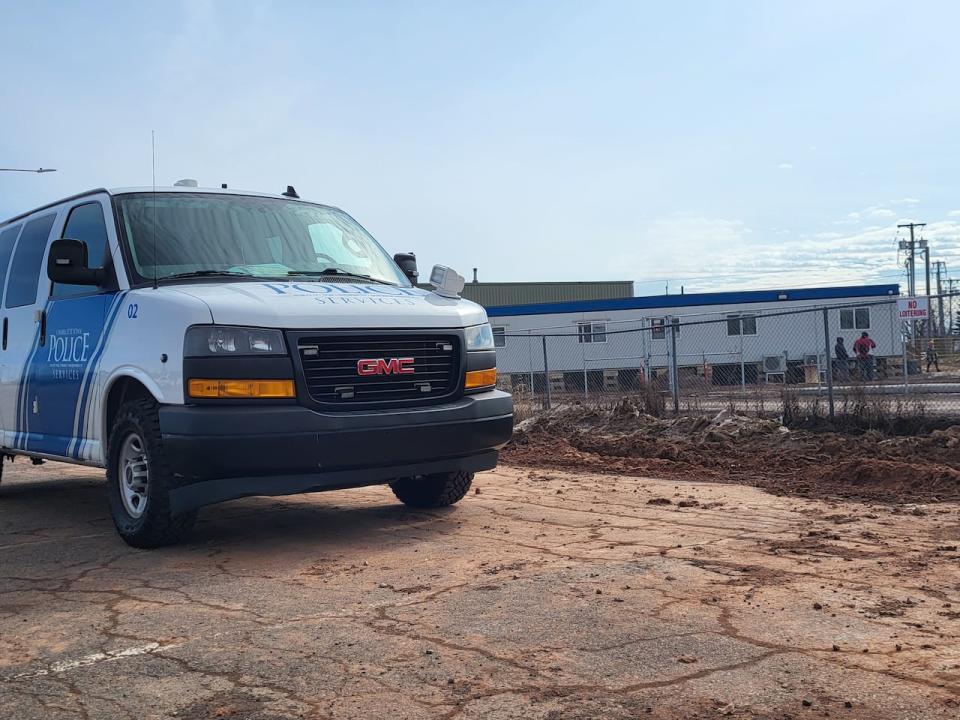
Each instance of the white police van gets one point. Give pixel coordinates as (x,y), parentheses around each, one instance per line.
(204,345)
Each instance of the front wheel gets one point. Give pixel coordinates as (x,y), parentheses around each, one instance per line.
(139,480)
(431,491)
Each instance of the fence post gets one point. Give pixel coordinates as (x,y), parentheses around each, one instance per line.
(674,376)
(829,359)
(583,360)
(743,368)
(646,353)
(906,361)
(533,393)
(546,373)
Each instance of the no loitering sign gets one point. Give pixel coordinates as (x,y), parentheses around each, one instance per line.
(913,308)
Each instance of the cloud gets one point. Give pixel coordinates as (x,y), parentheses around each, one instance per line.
(953,213)
(906,201)
(705,254)
(871,212)
(785,166)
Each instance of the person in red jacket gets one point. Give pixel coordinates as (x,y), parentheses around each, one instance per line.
(862,348)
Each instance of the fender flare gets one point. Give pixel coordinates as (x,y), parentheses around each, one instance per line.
(120,373)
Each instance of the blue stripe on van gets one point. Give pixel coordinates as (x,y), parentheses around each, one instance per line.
(89,382)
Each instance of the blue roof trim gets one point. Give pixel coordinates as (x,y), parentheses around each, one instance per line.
(692,299)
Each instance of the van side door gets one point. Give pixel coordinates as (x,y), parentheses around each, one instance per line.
(8,240)
(60,375)
(22,320)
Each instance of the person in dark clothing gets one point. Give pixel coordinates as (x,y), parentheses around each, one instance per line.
(862,348)
(842,365)
(933,358)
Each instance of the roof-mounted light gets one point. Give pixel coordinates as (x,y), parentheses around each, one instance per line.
(446,281)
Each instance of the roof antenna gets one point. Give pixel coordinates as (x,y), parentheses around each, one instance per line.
(291,193)
(153,172)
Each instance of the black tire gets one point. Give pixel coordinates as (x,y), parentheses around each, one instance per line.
(432,491)
(157,525)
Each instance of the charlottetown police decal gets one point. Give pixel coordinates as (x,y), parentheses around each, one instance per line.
(68,350)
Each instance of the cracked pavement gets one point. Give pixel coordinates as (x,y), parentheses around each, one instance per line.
(546,595)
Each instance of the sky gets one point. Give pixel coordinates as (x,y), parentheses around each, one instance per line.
(705,145)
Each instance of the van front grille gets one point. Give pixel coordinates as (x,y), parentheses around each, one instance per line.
(400,368)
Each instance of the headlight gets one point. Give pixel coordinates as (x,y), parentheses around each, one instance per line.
(223,340)
(479,337)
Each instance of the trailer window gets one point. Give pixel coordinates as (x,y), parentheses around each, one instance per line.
(740,324)
(855,318)
(591,332)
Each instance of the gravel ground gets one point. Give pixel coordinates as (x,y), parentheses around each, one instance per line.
(549,594)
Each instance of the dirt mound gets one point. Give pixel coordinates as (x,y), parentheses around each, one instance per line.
(740,449)
(898,478)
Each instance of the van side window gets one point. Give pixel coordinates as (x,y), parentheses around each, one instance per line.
(25,269)
(85,223)
(7,240)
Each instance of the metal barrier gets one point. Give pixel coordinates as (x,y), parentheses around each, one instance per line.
(816,356)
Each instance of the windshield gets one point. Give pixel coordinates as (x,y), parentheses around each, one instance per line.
(172,234)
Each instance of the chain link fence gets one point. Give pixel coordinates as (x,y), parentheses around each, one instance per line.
(826,360)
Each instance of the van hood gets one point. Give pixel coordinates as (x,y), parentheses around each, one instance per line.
(321,305)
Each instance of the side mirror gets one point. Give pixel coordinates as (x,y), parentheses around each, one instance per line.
(67,264)
(408,264)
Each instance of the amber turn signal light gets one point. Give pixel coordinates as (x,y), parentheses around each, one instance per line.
(480,378)
(241,389)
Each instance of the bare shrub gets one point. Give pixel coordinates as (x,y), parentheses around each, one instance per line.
(858,410)
(650,400)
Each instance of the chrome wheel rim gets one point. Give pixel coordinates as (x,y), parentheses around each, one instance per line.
(134,474)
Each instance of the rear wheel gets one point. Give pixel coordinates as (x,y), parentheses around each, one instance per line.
(139,480)
(429,491)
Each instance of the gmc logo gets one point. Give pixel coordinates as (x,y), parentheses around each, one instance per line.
(384,366)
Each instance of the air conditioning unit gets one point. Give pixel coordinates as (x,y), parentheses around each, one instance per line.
(812,360)
(611,380)
(774,363)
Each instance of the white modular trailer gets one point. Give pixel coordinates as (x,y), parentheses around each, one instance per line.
(767,329)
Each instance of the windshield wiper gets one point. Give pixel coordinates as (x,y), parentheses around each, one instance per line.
(205,273)
(337,272)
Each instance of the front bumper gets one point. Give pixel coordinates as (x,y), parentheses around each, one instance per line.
(222,453)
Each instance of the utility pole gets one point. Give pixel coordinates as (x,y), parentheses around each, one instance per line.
(941,267)
(925,249)
(950,283)
(911,247)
